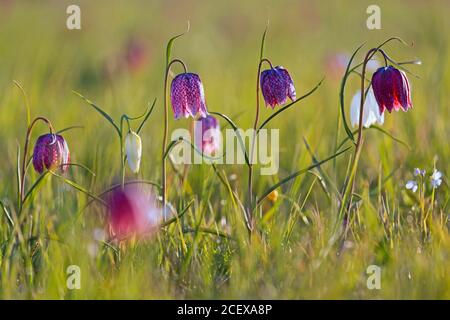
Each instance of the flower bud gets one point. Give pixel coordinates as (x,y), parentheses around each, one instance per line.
(133,150)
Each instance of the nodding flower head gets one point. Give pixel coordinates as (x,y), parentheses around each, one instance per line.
(277,86)
(187,96)
(208,136)
(50,152)
(133,211)
(133,149)
(371,111)
(391,89)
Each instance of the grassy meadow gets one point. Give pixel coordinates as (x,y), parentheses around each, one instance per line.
(207,253)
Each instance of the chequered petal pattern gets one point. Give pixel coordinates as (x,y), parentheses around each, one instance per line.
(391,89)
(50,152)
(187,96)
(277,86)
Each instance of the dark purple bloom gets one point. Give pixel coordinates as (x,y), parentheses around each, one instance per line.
(51,151)
(133,211)
(207,135)
(391,89)
(187,96)
(277,86)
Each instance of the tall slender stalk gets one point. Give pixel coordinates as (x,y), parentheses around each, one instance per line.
(166,132)
(25,154)
(252,146)
(350,184)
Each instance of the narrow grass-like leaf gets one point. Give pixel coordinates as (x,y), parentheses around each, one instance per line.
(25,97)
(178,216)
(146,117)
(290,105)
(34,187)
(78,165)
(342,90)
(263,42)
(391,136)
(208,231)
(18,178)
(181,139)
(170,44)
(99,110)
(296,174)
(78,187)
(6,211)
(238,134)
(382,131)
(69,128)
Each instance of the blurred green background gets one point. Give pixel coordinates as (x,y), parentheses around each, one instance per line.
(117,61)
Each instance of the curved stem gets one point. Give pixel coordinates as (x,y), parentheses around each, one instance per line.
(166,132)
(255,126)
(25,153)
(350,185)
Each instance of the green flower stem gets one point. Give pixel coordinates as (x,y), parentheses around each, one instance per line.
(249,207)
(166,132)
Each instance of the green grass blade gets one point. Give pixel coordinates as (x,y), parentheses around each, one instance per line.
(99,110)
(34,187)
(146,117)
(69,128)
(263,42)
(236,130)
(178,216)
(78,187)
(341,93)
(290,105)
(27,102)
(297,173)
(391,136)
(170,44)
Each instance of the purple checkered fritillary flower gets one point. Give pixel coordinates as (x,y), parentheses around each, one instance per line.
(187,96)
(277,86)
(391,89)
(208,137)
(50,152)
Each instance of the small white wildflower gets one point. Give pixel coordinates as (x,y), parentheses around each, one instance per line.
(411,185)
(133,149)
(436,178)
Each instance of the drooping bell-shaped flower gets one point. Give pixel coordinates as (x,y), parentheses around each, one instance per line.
(207,135)
(133,211)
(277,86)
(371,111)
(187,96)
(391,89)
(51,152)
(133,150)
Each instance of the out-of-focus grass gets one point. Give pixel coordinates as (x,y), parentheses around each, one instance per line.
(290,258)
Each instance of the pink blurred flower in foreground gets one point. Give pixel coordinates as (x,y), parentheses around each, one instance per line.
(207,135)
(50,152)
(133,211)
(391,89)
(277,86)
(187,96)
